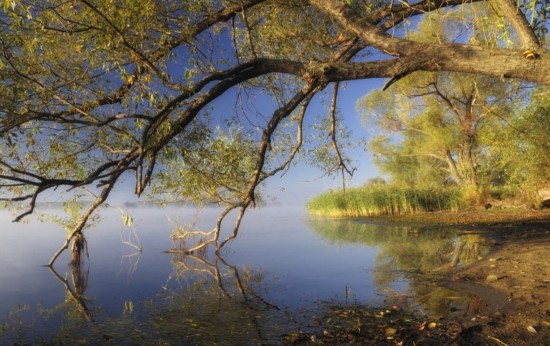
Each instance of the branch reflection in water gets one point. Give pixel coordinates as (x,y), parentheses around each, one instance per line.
(75,287)
(421,259)
(220,303)
(205,300)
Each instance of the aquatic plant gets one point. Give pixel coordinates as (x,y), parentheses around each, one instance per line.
(384,200)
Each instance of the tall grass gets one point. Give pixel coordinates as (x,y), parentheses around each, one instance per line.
(383,200)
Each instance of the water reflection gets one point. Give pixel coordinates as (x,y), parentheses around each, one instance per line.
(420,257)
(205,300)
(217,303)
(404,248)
(75,284)
(273,280)
(36,325)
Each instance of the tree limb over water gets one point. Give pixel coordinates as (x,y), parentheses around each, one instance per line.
(92,92)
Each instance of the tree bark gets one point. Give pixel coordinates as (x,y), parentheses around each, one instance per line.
(513,14)
(453,169)
(416,56)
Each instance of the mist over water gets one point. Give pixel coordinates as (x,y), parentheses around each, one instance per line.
(282,262)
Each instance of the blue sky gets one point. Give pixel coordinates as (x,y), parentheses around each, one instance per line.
(303,181)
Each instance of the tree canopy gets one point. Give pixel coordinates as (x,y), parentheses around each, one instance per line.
(445,121)
(94,91)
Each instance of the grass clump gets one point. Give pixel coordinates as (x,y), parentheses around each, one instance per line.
(374,200)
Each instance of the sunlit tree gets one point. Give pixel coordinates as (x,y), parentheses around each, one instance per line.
(521,150)
(92,92)
(433,127)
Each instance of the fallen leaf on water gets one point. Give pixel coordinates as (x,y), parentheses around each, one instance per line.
(532,329)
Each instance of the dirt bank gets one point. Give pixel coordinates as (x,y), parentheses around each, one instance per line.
(519,268)
(506,218)
(510,288)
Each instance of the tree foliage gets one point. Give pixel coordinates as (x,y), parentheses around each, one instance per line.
(435,128)
(521,146)
(93,91)
(442,128)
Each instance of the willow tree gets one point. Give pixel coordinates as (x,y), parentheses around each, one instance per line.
(94,91)
(521,149)
(434,128)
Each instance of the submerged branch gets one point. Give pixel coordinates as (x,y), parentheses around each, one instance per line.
(84,218)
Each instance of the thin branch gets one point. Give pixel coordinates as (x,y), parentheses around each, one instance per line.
(236,227)
(340,162)
(84,218)
(32,204)
(299,139)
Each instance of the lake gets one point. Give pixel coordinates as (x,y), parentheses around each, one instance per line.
(279,276)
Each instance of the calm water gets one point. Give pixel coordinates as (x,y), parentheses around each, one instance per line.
(276,277)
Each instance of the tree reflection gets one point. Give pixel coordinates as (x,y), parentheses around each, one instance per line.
(75,281)
(205,300)
(417,255)
(75,285)
(216,303)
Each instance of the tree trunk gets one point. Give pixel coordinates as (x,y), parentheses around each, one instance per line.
(453,169)
(467,165)
(79,248)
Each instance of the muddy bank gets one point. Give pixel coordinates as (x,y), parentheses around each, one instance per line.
(499,218)
(508,290)
(520,269)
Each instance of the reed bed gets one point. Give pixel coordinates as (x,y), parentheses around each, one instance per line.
(383,200)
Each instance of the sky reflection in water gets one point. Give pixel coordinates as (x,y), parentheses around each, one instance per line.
(282,257)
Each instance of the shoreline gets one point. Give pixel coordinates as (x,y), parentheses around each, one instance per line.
(517,270)
(475,217)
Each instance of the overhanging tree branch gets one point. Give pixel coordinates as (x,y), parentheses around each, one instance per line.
(119,92)
(527,37)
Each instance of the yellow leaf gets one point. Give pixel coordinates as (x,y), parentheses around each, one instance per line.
(432,325)
(390,331)
(422,326)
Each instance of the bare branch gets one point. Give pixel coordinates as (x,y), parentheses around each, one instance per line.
(332,133)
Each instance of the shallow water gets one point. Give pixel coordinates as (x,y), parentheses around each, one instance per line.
(274,278)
